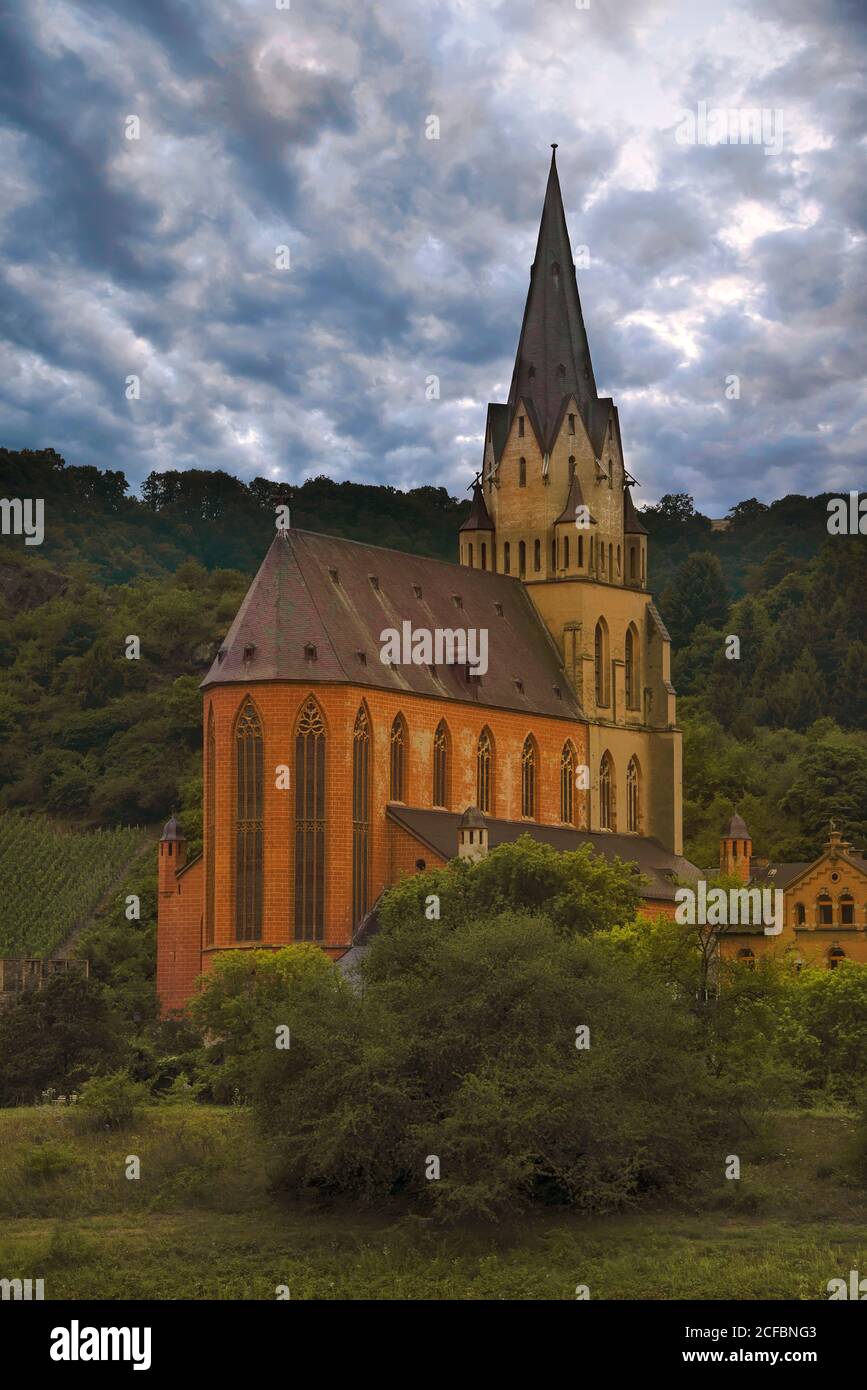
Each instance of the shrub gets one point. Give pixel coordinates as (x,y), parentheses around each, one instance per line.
(460,1045)
(46,1161)
(108,1102)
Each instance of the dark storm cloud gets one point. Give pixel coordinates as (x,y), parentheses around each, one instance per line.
(410,257)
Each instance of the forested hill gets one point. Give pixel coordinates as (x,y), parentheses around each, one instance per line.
(221,522)
(89,736)
(213,518)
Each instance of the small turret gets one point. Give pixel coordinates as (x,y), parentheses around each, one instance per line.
(173,854)
(472,834)
(735,849)
(477,535)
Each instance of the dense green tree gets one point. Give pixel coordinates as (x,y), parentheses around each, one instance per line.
(461,1042)
(56,1038)
(699,594)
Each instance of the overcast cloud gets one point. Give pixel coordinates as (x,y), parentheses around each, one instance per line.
(409,257)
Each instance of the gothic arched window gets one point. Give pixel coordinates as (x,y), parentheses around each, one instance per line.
(606,793)
(529,764)
(633,684)
(360,816)
(522,464)
(210,824)
(522,558)
(309,824)
(398,759)
(835,955)
(485,772)
(249,830)
(507,558)
(441,766)
(633,789)
(600,657)
(567,784)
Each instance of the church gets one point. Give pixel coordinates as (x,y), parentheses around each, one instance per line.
(330,770)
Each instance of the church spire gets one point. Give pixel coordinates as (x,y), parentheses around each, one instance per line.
(553,358)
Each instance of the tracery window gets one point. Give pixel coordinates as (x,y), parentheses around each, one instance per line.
(567,784)
(310,824)
(249,829)
(441,766)
(632,794)
(484,772)
(529,789)
(398,759)
(606,793)
(360,816)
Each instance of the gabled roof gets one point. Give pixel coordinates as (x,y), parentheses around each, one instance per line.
(786,875)
(553,356)
(439,831)
(478,519)
(631,524)
(319,605)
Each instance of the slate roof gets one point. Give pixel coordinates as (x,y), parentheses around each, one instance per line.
(439,831)
(781,875)
(317,607)
(479,518)
(553,357)
(736,829)
(631,524)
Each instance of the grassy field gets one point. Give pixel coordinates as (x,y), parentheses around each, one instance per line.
(199,1223)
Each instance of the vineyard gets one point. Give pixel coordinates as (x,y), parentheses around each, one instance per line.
(51,879)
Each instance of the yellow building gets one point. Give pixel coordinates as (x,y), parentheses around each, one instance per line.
(824,902)
(554,508)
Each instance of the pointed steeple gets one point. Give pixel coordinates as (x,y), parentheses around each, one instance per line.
(553,358)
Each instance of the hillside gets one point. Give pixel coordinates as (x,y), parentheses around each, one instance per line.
(91,738)
(53,880)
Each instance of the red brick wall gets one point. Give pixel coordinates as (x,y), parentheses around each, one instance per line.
(179,936)
(393,851)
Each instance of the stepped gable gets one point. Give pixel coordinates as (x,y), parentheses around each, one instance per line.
(317,608)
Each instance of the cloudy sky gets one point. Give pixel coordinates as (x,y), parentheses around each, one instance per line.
(306,128)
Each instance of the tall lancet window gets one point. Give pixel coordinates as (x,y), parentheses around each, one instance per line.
(529,790)
(441,766)
(567,784)
(606,793)
(310,824)
(210,827)
(360,816)
(633,783)
(631,668)
(485,772)
(397,778)
(249,830)
(600,662)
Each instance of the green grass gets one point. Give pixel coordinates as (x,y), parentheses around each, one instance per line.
(53,879)
(200,1223)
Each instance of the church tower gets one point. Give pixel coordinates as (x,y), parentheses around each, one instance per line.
(554,509)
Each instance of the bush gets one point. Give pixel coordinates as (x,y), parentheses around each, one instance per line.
(460,1046)
(46,1161)
(108,1102)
